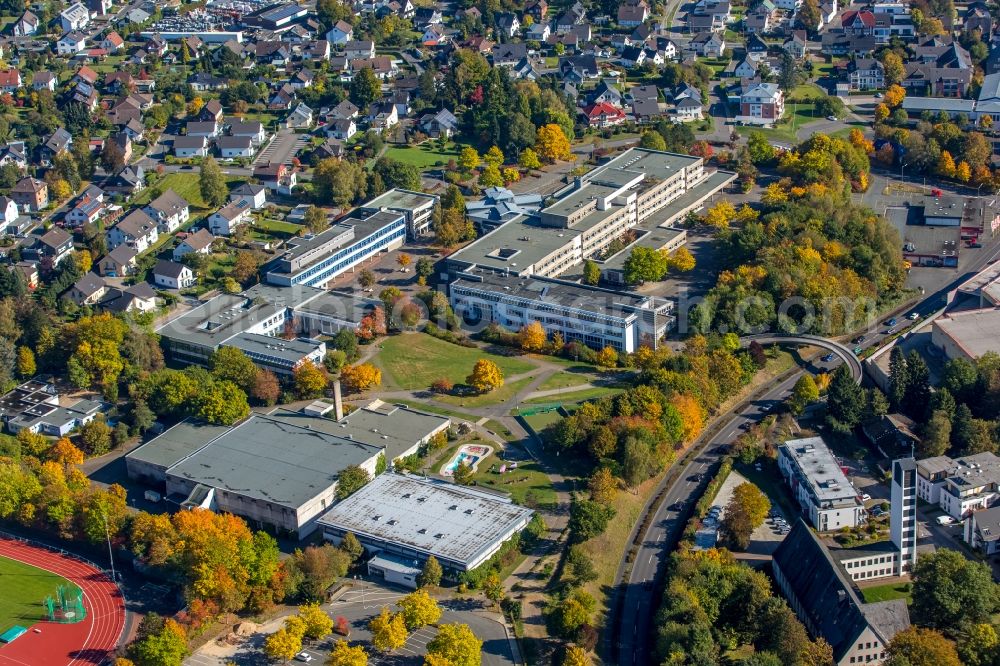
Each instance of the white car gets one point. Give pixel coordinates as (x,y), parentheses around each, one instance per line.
(304,656)
(866,497)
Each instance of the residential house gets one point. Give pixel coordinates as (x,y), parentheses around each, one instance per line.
(233,147)
(508,24)
(252,192)
(982,531)
(26,25)
(797,45)
(301,117)
(74,17)
(206,128)
(978,19)
(633,56)
(382,116)
(8,212)
(134,130)
(746,69)
(124,143)
(646,111)
(344,110)
(320,51)
(382,66)
(55,245)
(538,32)
(760,19)
(29,271)
(427,16)
(435,125)
(276,176)
(190,146)
(120,262)
(71,43)
(13,153)
(761,104)
(354,49)
(171,275)
(342,129)
(537,10)
(212,111)
(506,55)
(112,42)
(117,82)
(866,74)
(249,129)
(631,15)
(58,141)
(603,115)
(329,148)
(607,92)
(938,70)
(204,82)
(88,290)
(756,47)
(341,33)
(137,229)
(169,210)
(579,68)
(30,194)
(10,80)
(85,211)
(227,219)
(860,23)
(200,242)
(281,99)
(708,45)
(435,35)
(136,298)
(128,181)
(688,105)
(301,79)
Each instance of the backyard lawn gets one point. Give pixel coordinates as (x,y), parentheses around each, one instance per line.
(186,184)
(887,592)
(24,589)
(426,155)
(415,360)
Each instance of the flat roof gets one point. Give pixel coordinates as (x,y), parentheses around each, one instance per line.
(443,519)
(277,348)
(341,305)
(401,199)
(821,470)
(383,424)
(176,443)
(975,331)
(272,460)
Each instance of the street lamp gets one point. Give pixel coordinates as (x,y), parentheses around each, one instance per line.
(902,165)
(107,535)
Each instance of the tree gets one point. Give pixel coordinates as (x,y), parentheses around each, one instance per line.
(809,15)
(357,378)
(352,546)
(603,486)
(468,159)
(607,357)
(644,264)
(231,364)
(112,157)
(282,645)
(894,71)
(25,363)
(565,617)
(552,144)
(366,279)
(96,437)
(345,655)
(720,214)
(486,376)
(946,165)
(165,647)
(963,173)
(528,159)
(419,609)
(588,519)
(760,149)
(591,272)
(212,183)
(681,260)
(950,591)
(494,156)
(531,337)
(404,260)
(318,623)
(315,219)
(266,388)
(744,513)
(388,631)
(351,479)
(845,399)
(463,474)
(979,645)
(365,88)
(430,575)
(916,646)
(577,656)
(310,380)
(652,140)
(317,568)
(804,393)
(457,644)
(64,453)
(881,113)
(491,177)
(937,435)
(493,588)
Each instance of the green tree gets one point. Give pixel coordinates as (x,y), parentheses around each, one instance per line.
(212,183)
(222,402)
(979,645)
(951,592)
(936,436)
(760,149)
(457,644)
(463,474)
(591,272)
(804,393)
(315,219)
(564,617)
(231,364)
(845,399)
(165,647)
(528,159)
(645,264)
(352,546)
(365,88)
(96,437)
(351,479)
(430,575)
(918,388)
(652,140)
(588,519)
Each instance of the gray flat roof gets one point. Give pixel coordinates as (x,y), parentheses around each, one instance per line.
(975,331)
(272,460)
(277,348)
(401,199)
(434,517)
(342,305)
(379,423)
(177,443)
(821,470)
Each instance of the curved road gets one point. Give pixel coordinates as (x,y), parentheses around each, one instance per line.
(840,350)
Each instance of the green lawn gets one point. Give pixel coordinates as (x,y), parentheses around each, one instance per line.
(541,421)
(526,485)
(426,155)
(501,395)
(887,592)
(278,226)
(24,590)
(575,396)
(415,360)
(184,183)
(561,380)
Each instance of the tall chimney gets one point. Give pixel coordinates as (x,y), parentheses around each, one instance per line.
(338,401)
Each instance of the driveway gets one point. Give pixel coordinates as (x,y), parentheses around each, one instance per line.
(282,148)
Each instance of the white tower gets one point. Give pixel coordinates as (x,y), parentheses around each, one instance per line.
(903,513)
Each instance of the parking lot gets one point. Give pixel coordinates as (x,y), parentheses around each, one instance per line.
(282,148)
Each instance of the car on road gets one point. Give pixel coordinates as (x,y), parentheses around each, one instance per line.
(878,95)
(832,118)
(858,340)
(913,316)
(857,350)
(890,322)
(304,656)
(975,245)
(695,478)
(676,506)
(828,358)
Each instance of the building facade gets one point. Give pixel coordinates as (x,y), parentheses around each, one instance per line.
(826,497)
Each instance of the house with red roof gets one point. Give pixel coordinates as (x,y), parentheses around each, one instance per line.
(10,79)
(858,22)
(603,114)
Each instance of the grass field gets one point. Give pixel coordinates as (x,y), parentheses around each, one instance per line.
(575,396)
(502,394)
(562,380)
(24,590)
(887,592)
(185,184)
(426,155)
(526,485)
(541,421)
(415,360)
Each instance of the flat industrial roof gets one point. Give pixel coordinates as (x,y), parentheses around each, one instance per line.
(272,460)
(434,517)
(400,199)
(975,331)
(176,443)
(277,348)
(822,472)
(342,305)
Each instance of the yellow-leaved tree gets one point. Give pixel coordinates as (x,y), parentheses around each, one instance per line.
(419,609)
(360,377)
(345,655)
(531,337)
(551,143)
(388,631)
(486,376)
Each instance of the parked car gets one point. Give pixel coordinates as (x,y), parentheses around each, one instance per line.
(304,656)
(858,340)
(865,497)
(829,357)
(945,520)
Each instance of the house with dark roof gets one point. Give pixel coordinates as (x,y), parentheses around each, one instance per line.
(200,242)
(120,262)
(137,229)
(171,275)
(982,531)
(170,210)
(823,598)
(88,290)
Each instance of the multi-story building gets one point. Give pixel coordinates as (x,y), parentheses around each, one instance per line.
(959,486)
(761,104)
(596,317)
(903,513)
(314,260)
(416,206)
(819,484)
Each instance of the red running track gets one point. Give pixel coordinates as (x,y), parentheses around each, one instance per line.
(87,642)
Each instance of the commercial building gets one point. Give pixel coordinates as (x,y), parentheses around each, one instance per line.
(314,260)
(968,334)
(821,595)
(819,484)
(273,472)
(34,406)
(959,486)
(404,520)
(596,317)
(416,206)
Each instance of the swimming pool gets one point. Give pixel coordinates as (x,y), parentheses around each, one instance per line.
(470,454)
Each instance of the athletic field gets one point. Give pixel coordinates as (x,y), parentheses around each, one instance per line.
(24,589)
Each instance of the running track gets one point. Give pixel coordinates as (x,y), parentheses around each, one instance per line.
(87,642)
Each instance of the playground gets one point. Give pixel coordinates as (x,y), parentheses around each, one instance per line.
(470,454)
(55,608)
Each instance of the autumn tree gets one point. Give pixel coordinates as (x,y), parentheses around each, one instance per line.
(64,453)
(551,144)
(25,363)
(345,655)
(591,272)
(310,380)
(528,159)
(96,437)
(804,393)
(166,646)
(607,357)
(361,377)
(419,609)
(318,623)
(283,644)
(577,656)
(719,215)
(232,364)
(486,376)
(463,474)
(315,219)
(531,337)
(603,486)
(894,71)
(430,575)
(468,159)
(266,388)
(681,260)
(212,183)
(388,631)
(916,646)
(457,644)
(494,157)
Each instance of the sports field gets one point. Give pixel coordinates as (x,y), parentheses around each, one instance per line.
(24,589)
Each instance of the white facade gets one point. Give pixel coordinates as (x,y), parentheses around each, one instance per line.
(826,496)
